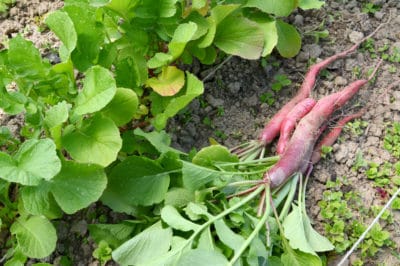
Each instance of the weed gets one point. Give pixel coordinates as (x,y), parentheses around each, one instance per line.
(268,98)
(392,139)
(280,81)
(370,8)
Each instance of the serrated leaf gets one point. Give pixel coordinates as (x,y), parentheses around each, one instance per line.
(78,185)
(289,40)
(200,257)
(122,107)
(97,137)
(36,236)
(239,36)
(172,217)
(138,181)
(182,35)
(147,245)
(194,87)
(169,82)
(98,90)
(227,236)
(61,24)
(310,4)
(35,160)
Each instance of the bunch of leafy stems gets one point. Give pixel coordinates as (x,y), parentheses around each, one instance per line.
(296,157)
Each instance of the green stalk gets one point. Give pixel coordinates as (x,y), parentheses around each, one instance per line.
(257,229)
(289,199)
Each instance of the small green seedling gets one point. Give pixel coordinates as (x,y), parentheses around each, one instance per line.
(281,81)
(268,98)
(370,8)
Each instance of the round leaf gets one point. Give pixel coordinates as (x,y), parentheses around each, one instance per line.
(78,185)
(169,82)
(97,141)
(281,8)
(98,89)
(36,236)
(34,161)
(289,40)
(122,107)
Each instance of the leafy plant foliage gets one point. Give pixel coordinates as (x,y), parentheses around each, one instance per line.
(120,61)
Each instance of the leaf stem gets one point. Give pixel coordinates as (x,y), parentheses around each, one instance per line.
(258,227)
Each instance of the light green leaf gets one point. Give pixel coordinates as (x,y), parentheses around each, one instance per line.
(289,40)
(147,245)
(169,82)
(122,107)
(268,26)
(178,197)
(159,60)
(227,236)
(160,140)
(35,160)
(318,242)
(200,257)
(156,9)
(258,253)
(113,234)
(208,156)
(97,137)
(38,201)
(196,211)
(194,176)
(182,35)
(138,181)
(239,36)
(172,217)
(36,236)
(61,24)
(297,258)
(98,90)
(310,4)
(194,87)
(24,58)
(123,7)
(206,240)
(78,185)
(281,8)
(57,114)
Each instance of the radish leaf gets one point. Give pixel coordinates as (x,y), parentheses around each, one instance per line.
(289,40)
(200,257)
(122,107)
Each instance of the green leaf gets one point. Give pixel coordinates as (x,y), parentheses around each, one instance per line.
(206,240)
(318,242)
(297,258)
(159,60)
(61,24)
(182,35)
(172,217)
(113,234)
(35,160)
(210,155)
(280,8)
(97,137)
(138,181)
(227,236)
(239,36)
(169,82)
(25,59)
(36,236)
(122,107)
(200,257)
(98,90)
(194,88)
(160,140)
(57,114)
(38,201)
(310,4)
(194,176)
(156,9)
(289,40)
(78,185)
(178,197)
(147,245)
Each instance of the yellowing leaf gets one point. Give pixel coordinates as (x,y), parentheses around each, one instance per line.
(169,82)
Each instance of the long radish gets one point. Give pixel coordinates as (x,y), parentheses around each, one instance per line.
(297,156)
(332,135)
(288,125)
(272,128)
